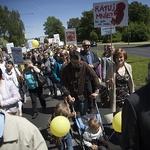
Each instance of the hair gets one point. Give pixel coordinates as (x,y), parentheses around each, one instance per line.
(61,109)
(93,123)
(118,52)
(1,76)
(74,54)
(85,41)
(27,61)
(66,54)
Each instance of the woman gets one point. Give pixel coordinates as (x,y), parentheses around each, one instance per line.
(9,95)
(34,89)
(119,80)
(12,73)
(59,65)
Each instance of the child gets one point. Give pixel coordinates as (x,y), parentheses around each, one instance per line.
(93,136)
(62,109)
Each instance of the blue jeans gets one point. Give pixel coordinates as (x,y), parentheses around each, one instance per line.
(81,106)
(51,85)
(67,140)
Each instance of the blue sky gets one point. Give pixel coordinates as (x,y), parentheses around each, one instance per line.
(35,12)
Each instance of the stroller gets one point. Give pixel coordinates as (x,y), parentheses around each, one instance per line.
(82,125)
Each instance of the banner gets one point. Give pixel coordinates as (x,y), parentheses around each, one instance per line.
(114,13)
(17,55)
(108,30)
(70,36)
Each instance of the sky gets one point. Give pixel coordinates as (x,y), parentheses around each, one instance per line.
(34,13)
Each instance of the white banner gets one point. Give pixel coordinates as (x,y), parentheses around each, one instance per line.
(114,13)
(108,30)
(70,36)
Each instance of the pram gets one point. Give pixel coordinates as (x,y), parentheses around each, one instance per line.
(82,125)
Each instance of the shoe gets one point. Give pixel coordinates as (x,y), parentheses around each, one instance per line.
(34,115)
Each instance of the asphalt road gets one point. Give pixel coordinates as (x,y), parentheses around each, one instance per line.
(137,50)
(42,118)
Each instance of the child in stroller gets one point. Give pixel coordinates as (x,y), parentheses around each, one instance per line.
(93,136)
(91,130)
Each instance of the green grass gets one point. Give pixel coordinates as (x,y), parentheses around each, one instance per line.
(139,68)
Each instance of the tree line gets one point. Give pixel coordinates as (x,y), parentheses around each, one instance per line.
(12,27)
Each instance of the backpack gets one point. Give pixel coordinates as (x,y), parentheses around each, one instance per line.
(30,80)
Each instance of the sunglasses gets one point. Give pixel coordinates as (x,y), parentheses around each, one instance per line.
(86,45)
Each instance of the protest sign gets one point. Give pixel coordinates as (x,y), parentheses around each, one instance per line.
(114,13)
(70,36)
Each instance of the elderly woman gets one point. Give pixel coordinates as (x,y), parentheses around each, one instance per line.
(119,79)
(9,96)
(34,89)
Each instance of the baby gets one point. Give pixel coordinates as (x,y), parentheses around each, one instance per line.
(93,136)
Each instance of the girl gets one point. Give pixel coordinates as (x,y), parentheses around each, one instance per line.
(62,109)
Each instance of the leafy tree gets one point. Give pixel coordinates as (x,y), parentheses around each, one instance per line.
(73,23)
(93,36)
(138,13)
(11,26)
(136,32)
(54,26)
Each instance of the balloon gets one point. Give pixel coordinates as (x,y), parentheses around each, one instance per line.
(60,126)
(35,43)
(117,122)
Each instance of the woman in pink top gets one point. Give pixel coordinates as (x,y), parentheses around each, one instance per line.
(9,95)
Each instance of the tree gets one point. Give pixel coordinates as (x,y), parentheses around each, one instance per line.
(138,13)
(73,23)
(54,26)
(11,26)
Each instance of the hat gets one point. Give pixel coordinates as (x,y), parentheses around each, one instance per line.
(9,62)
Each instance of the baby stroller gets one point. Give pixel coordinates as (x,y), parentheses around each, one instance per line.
(82,125)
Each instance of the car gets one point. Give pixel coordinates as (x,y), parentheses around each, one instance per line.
(93,44)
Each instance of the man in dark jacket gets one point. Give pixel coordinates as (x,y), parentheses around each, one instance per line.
(136,119)
(93,61)
(73,82)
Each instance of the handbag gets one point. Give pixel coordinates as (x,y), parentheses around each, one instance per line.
(41,79)
(104,97)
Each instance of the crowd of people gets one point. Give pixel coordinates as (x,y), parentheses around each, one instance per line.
(76,73)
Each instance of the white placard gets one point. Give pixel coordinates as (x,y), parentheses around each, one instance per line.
(17,55)
(9,45)
(108,30)
(56,39)
(114,13)
(70,36)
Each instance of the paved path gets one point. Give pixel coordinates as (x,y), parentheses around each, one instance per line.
(41,122)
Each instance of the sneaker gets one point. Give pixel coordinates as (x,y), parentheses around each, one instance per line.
(34,115)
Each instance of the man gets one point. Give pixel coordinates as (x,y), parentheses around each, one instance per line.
(93,61)
(73,82)
(89,56)
(107,60)
(136,119)
(17,133)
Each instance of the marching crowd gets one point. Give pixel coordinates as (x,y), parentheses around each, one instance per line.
(77,74)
